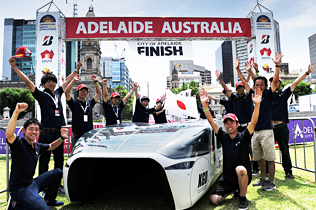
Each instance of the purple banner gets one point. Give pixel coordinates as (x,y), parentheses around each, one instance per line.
(3,140)
(299,132)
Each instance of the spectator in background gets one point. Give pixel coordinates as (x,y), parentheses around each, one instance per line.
(227,103)
(113,110)
(141,113)
(201,111)
(160,114)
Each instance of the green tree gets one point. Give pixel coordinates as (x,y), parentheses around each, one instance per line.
(9,97)
(127,112)
(302,88)
(194,86)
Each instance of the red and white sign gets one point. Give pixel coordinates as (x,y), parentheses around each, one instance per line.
(265,39)
(156,27)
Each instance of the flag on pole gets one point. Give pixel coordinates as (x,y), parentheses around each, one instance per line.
(186,93)
(181,105)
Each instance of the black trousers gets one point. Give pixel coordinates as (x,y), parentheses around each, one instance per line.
(47,137)
(281,135)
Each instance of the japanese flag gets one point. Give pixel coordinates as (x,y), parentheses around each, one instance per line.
(181,105)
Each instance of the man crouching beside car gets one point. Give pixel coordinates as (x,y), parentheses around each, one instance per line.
(236,163)
(24,190)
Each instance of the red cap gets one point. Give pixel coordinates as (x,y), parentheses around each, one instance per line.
(239,84)
(22,52)
(82,86)
(225,91)
(271,78)
(157,100)
(230,116)
(115,94)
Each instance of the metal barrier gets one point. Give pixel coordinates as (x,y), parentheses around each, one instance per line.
(314,142)
(7,162)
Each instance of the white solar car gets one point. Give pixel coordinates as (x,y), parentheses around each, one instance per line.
(186,155)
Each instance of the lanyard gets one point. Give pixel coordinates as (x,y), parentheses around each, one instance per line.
(84,109)
(55,100)
(115,112)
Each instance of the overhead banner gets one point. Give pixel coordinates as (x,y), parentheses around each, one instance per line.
(265,49)
(142,28)
(162,49)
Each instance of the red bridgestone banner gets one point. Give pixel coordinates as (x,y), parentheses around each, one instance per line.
(129,28)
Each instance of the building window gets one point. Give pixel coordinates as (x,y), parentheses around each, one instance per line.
(89,63)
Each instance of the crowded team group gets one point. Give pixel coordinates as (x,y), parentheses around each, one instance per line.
(259,128)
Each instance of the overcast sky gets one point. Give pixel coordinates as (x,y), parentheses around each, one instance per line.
(297,20)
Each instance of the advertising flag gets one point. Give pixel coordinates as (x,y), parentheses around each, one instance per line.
(265,48)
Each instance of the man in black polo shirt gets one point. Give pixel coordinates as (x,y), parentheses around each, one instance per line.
(236,163)
(113,110)
(52,116)
(262,142)
(141,113)
(200,110)
(227,103)
(280,118)
(81,109)
(24,153)
(242,103)
(160,114)
(242,107)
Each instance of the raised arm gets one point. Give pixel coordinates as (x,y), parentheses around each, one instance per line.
(241,76)
(218,75)
(250,71)
(277,61)
(136,91)
(71,76)
(310,69)
(23,77)
(159,112)
(204,99)
(70,85)
(130,93)
(105,91)
(98,88)
(162,99)
(256,100)
(20,107)
(255,66)
(213,98)
(56,143)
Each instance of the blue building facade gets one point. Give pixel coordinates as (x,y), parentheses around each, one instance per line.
(116,71)
(18,33)
(21,32)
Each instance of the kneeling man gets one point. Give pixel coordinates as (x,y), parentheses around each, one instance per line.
(24,190)
(236,163)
